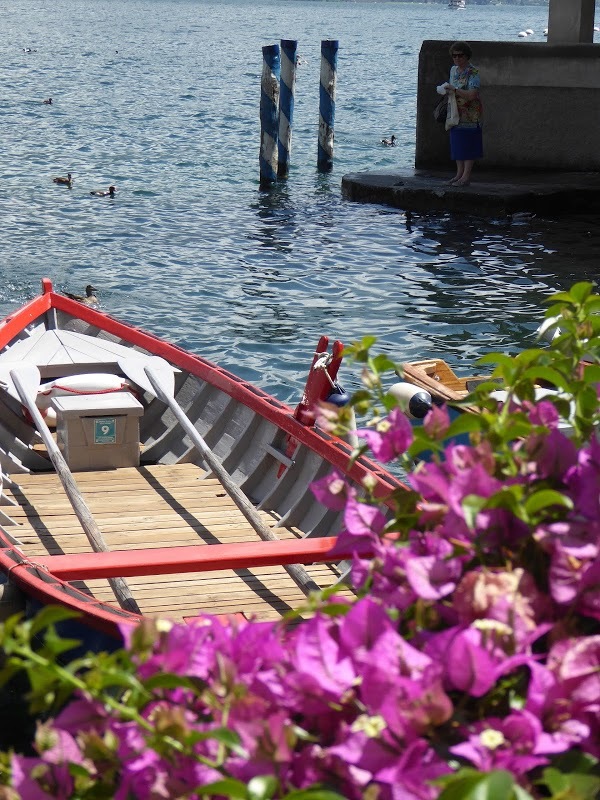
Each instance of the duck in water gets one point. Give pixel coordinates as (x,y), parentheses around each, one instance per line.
(89,299)
(110,192)
(68,181)
(391,142)
(48,102)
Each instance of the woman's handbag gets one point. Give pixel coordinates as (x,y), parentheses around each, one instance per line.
(452,117)
(441,110)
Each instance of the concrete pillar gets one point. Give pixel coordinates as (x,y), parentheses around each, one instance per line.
(571,21)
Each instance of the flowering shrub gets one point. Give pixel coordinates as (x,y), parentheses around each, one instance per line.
(467,667)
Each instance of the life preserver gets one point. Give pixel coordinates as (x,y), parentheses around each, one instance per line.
(92,383)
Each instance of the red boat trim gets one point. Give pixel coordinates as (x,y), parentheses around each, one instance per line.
(41,585)
(197,558)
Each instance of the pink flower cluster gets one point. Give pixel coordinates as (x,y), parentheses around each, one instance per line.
(344,701)
(475,641)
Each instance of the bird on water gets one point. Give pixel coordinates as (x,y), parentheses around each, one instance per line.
(101,193)
(391,142)
(89,299)
(61,181)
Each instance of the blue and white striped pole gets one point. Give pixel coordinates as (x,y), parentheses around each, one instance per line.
(286,104)
(269,113)
(329,50)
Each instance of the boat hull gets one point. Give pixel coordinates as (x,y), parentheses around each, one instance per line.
(155,512)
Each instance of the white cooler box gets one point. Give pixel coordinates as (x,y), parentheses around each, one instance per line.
(98,431)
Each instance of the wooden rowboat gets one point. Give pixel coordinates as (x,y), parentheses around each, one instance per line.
(439,379)
(140,479)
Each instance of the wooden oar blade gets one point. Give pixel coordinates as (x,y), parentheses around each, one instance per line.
(135,369)
(27,374)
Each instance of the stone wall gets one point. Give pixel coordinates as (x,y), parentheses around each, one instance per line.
(541,105)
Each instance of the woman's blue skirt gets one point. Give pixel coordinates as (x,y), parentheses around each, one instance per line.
(466,144)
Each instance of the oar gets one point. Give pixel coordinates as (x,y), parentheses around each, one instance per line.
(154,375)
(26,381)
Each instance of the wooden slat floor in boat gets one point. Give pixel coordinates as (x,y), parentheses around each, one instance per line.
(159,506)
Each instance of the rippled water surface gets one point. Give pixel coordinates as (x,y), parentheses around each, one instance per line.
(161,98)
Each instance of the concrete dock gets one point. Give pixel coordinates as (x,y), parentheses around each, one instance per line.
(490,193)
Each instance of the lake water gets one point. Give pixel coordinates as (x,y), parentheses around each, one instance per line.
(161,98)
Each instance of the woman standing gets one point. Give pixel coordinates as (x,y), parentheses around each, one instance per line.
(466,143)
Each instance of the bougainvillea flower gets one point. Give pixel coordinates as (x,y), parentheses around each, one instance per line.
(553,454)
(588,596)
(81,715)
(579,660)
(390,438)
(432,578)
(510,743)
(30,774)
(390,770)
(583,480)
(362,519)
(437,422)
(543,413)
(386,575)
(410,776)
(510,597)
(322,669)
(332,491)
(566,706)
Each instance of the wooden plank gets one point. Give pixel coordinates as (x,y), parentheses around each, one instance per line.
(135,495)
(149,507)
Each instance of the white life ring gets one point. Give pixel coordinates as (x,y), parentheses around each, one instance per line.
(92,383)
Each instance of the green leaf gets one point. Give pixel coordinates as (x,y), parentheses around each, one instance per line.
(224,736)
(466,422)
(472,505)
(553,376)
(55,645)
(313,794)
(581,291)
(167,681)
(570,786)
(49,615)
(9,626)
(262,787)
(383,364)
(555,780)
(485,387)
(496,358)
(591,374)
(576,761)
(228,787)
(509,497)
(544,499)
(520,793)
(497,785)
(78,771)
